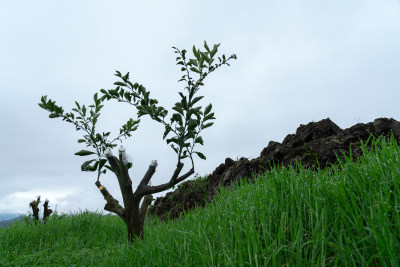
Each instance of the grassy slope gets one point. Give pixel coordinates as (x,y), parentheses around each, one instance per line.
(351,217)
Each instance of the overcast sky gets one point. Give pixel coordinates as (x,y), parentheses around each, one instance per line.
(298,61)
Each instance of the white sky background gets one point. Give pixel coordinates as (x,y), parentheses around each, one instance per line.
(298,61)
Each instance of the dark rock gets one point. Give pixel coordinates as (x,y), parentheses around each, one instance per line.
(189,194)
(315,145)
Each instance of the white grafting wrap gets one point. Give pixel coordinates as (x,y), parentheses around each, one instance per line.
(154,163)
(125,157)
(108,152)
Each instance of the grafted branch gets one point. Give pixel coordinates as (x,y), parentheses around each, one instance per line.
(121,171)
(112,204)
(113,162)
(150,171)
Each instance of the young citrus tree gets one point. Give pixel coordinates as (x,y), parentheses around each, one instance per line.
(186,124)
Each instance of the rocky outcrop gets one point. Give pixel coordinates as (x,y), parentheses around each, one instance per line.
(315,145)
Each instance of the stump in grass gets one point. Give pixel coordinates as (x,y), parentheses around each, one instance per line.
(46,213)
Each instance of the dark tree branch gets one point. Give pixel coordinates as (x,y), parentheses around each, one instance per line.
(183,177)
(148,190)
(112,204)
(149,173)
(176,172)
(34,205)
(124,171)
(47,211)
(124,180)
(141,189)
(121,171)
(113,162)
(143,209)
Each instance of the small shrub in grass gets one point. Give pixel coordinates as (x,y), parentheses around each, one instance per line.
(186,123)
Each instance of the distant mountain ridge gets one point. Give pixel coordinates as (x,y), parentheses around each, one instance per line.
(9,218)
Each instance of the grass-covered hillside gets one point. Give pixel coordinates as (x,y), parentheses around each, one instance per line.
(346,217)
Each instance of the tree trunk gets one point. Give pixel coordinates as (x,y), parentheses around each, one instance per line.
(133,215)
(134,224)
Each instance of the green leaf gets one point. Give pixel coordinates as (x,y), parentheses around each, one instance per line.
(52,116)
(92,168)
(200,155)
(183,53)
(208,109)
(126,77)
(192,124)
(120,83)
(131,84)
(206,47)
(184,103)
(178,108)
(192,62)
(209,117)
(214,51)
(173,139)
(205,57)
(98,108)
(84,153)
(86,163)
(167,130)
(177,117)
(174,148)
(199,140)
(195,52)
(207,125)
(196,110)
(102,162)
(189,114)
(77,104)
(181,129)
(196,99)
(95,98)
(190,135)
(44,99)
(198,116)
(81,141)
(194,69)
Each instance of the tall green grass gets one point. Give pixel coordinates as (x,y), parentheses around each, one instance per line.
(348,215)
